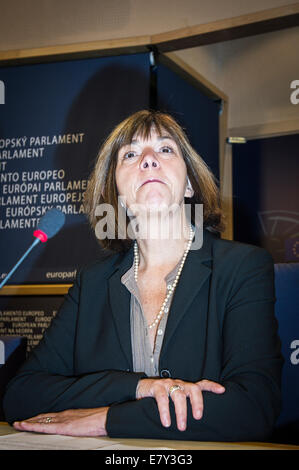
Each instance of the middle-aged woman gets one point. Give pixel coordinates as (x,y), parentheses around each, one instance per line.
(163,338)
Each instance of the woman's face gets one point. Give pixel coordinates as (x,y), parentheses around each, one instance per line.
(152,172)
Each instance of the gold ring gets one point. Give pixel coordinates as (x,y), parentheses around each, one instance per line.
(174,388)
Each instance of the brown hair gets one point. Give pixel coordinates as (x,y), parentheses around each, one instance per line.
(102,183)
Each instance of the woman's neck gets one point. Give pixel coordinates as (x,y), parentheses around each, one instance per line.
(162,243)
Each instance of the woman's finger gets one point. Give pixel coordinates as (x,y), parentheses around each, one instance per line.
(35,420)
(160,391)
(196,400)
(161,396)
(36,426)
(179,397)
(210,386)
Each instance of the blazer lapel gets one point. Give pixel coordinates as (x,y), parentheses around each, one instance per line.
(194,274)
(120,297)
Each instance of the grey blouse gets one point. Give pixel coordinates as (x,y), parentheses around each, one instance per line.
(144,359)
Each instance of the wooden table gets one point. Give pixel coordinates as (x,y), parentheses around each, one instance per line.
(144,444)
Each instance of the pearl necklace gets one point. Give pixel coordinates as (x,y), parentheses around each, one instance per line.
(171,287)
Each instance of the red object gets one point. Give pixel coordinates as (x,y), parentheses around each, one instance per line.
(41,235)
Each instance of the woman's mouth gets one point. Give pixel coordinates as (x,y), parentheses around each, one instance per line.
(151,180)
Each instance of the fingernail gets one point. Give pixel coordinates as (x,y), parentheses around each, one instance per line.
(17,424)
(166,422)
(182,426)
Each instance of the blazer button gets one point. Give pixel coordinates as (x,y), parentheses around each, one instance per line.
(165,373)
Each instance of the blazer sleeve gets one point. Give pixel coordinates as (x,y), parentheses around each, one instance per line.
(47,382)
(251,370)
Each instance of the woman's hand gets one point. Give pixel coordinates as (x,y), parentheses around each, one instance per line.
(162,389)
(85,422)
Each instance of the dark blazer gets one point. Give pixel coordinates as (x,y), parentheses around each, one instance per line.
(221,327)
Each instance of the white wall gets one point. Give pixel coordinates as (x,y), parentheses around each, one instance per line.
(36,23)
(255,73)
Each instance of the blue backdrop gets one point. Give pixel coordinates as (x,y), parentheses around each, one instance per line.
(266,195)
(77,102)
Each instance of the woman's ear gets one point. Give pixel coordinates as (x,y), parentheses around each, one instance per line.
(189,192)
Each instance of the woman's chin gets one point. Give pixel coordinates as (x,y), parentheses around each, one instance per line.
(151,205)
(155,205)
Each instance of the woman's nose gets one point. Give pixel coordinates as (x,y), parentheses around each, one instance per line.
(149,160)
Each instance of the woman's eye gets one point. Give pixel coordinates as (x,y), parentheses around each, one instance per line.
(166,149)
(129,155)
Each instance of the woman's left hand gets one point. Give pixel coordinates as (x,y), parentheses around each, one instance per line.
(85,422)
(160,389)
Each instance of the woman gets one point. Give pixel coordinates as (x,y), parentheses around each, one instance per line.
(167,334)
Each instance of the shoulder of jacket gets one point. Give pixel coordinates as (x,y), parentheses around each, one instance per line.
(102,267)
(238,250)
